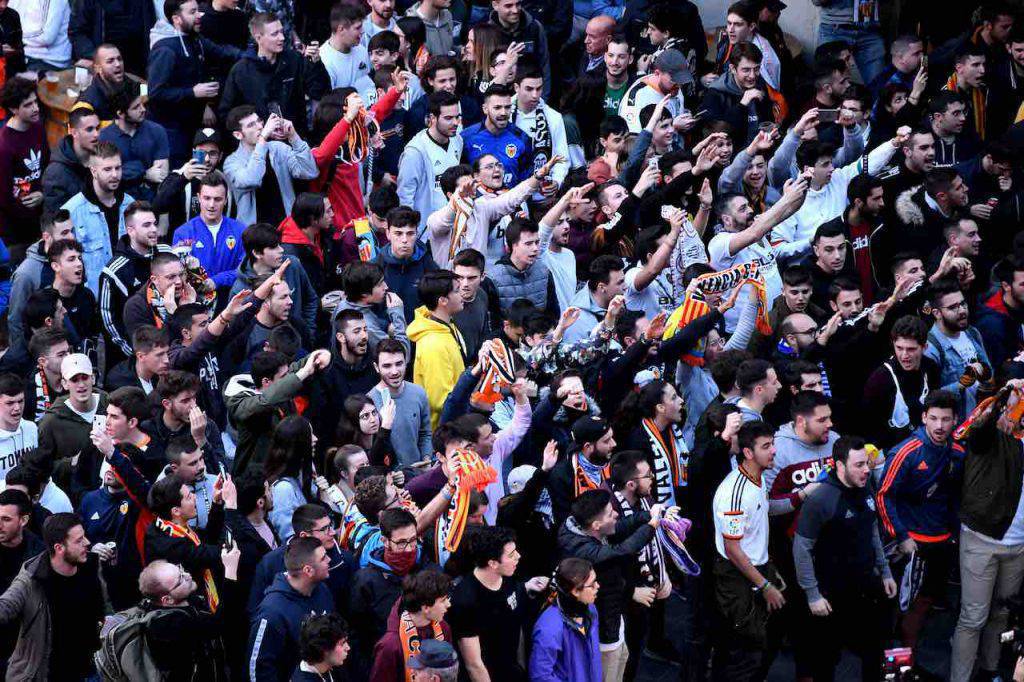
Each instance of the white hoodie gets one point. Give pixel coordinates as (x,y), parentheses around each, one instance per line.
(14,444)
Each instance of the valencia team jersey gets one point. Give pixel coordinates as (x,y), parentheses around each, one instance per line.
(511,146)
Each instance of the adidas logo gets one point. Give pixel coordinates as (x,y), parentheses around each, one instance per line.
(923,466)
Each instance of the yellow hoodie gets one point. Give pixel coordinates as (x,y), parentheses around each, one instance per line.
(438,364)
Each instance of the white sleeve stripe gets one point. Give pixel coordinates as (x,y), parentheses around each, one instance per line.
(257,641)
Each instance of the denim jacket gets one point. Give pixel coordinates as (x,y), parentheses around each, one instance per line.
(940,349)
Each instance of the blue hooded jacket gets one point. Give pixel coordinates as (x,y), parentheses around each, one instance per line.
(403,275)
(220,257)
(274,639)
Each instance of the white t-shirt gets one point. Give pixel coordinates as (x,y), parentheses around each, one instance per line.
(964,347)
(345,70)
(760,252)
(654,298)
(638,96)
(741,513)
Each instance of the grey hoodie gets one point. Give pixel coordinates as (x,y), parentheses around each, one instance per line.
(591,315)
(376,323)
(796,464)
(26,280)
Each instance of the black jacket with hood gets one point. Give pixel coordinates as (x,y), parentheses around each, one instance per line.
(613,563)
(722,102)
(64,177)
(256,81)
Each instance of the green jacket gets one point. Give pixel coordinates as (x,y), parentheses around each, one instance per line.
(255,414)
(993,473)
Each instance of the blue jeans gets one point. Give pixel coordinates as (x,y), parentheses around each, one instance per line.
(867,45)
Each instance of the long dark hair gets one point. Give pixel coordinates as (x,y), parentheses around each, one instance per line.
(291,454)
(348,422)
(637,406)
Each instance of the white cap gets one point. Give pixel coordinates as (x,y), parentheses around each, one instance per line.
(518,477)
(75,364)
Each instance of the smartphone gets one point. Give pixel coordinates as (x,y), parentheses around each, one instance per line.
(199,156)
(828,115)
(100,422)
(528,46)
(275,109)
(924,62)
(228,539)
(652,162)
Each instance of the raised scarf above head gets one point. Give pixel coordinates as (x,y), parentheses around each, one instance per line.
(498,374)
(695,305)
(979,100)
(175,531)
(409,637)
(468,472)
(997,402)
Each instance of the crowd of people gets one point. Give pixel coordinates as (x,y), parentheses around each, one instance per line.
(509,340)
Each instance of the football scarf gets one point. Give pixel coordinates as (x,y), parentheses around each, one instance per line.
(463,207)
(541,135)
(581,482)
(669,462)
(671,534)
(468,473)
(696,305)
(409,636)
(155,300)
(1014,414)
(650,557)
(175,531)
(498,374)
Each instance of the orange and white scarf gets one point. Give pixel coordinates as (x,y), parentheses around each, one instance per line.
(409,636)
(695,305)
(499,373)
(468,473)
(175,531)
(581,482)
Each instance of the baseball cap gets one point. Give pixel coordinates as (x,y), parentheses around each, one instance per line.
(519,476)
(589,429)
(434,654)
(774,5)
(204,135)
(675,65)
(75,364)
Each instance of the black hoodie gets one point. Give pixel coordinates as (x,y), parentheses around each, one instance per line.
(256,81)
(64,177)
(722,102)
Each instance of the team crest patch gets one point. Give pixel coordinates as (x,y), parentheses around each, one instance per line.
(230,241)
(123,508)
(510,151)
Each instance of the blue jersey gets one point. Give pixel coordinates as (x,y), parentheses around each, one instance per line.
(512,147)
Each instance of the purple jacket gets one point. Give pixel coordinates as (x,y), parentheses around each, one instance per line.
(561,653)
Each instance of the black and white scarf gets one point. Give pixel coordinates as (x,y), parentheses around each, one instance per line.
(541,135)
(652,561)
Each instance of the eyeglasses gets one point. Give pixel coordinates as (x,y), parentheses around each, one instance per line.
(812,330)
(329,528)
(493,166)
(366,416)
(645,477)
(403,544)
(956,306)
(590,586)
(182,576)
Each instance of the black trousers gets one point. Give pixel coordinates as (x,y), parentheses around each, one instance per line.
(859,622)
(741,617)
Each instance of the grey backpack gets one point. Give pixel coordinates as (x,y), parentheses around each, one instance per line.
(124,654)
